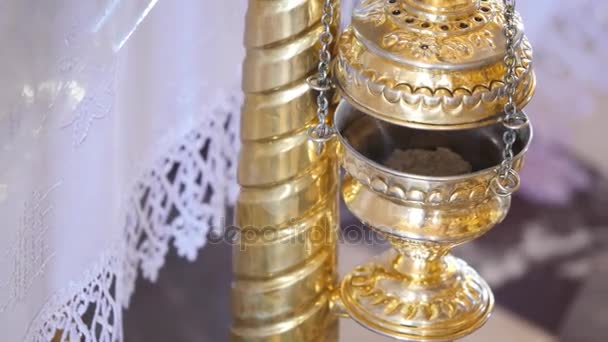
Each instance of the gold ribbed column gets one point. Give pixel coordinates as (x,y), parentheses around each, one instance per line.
(285,260)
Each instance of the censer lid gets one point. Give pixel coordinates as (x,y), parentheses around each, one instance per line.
(434,64)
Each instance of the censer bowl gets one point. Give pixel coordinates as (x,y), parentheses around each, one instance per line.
(418,291)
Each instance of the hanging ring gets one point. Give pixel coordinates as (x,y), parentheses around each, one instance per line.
(517,121)
(506,185)
(315,83)
(320,134)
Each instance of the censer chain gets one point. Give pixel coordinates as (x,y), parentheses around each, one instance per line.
(322,132)
(507,180)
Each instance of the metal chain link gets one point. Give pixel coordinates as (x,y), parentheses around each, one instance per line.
(322,132)
(507,180)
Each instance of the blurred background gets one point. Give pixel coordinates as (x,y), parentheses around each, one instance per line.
(548,262)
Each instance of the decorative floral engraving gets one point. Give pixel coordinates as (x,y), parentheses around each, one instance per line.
(428,49)
(366,287)
(368,83)
(482,39)
(448,192)
(434,49)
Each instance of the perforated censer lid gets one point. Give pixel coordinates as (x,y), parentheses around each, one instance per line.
(434,64)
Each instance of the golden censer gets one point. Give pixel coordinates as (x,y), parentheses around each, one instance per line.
(430,133)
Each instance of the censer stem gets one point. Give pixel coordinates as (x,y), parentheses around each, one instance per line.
(422,263)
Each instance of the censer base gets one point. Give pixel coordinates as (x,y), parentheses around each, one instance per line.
(386,298)
(426,192)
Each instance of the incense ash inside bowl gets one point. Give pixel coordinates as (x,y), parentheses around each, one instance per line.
(441,162)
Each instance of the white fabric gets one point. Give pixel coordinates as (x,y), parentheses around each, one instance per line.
(117,140)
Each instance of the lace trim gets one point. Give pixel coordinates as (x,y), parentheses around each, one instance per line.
(178,200)
(87,311)
(182,196)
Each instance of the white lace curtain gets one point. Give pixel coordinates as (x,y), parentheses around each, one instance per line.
(117,142)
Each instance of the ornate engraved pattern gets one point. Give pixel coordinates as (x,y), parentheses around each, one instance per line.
(433,49)
(377,11)
(414,21)
(451,102)
(469,191)
(425,48)
(409,306)
(442,306)
(440,70)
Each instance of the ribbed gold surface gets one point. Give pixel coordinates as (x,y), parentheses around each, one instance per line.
(284,260)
